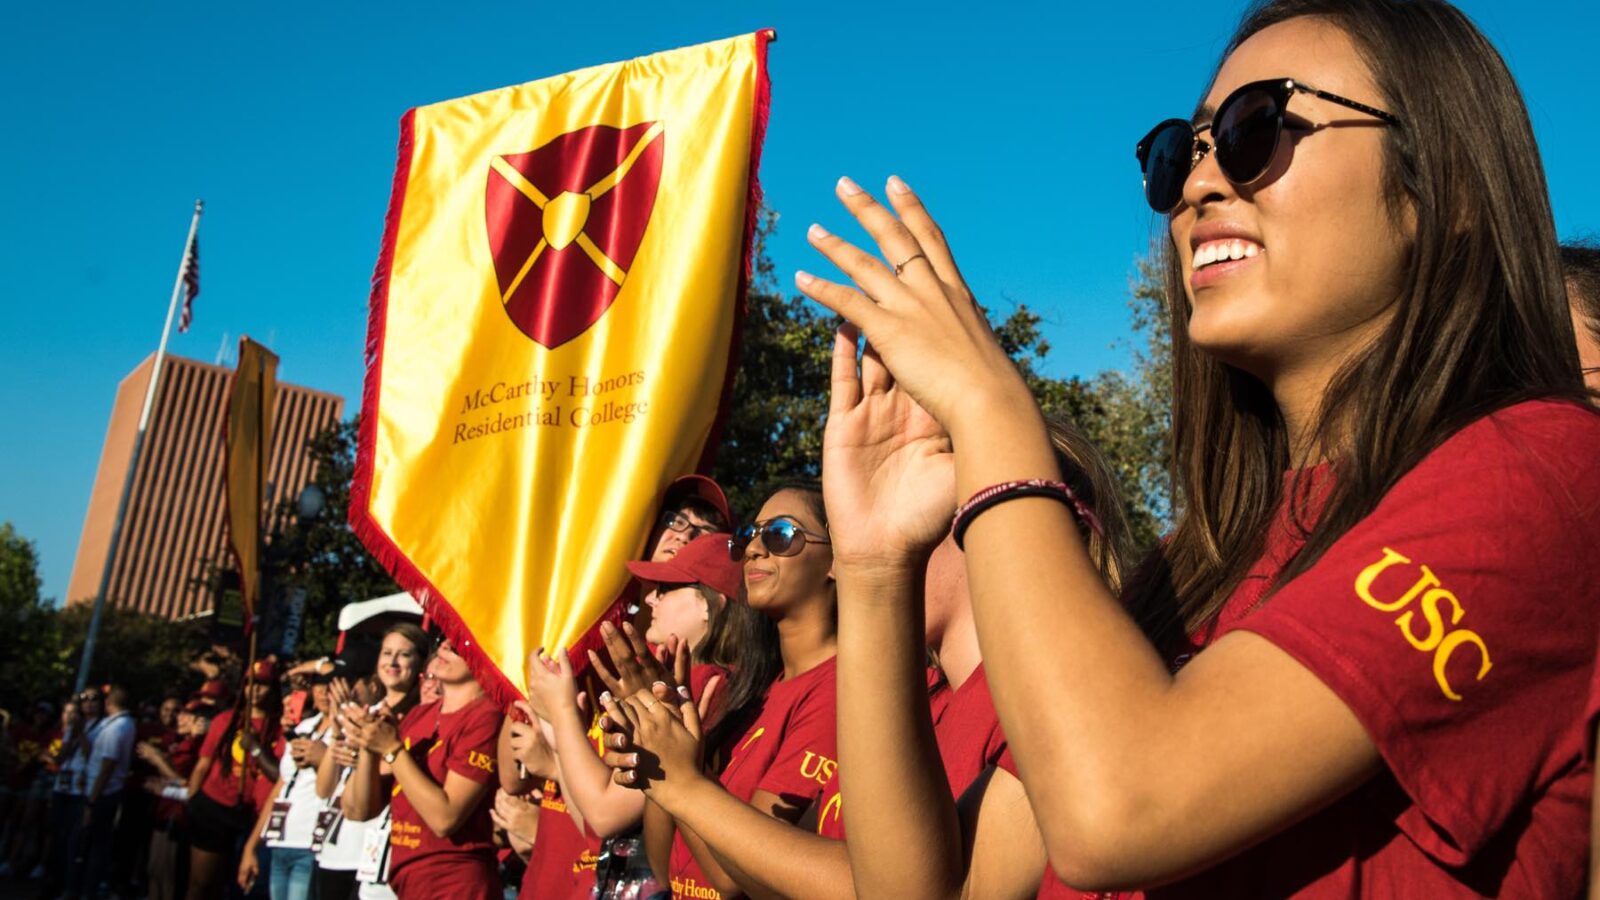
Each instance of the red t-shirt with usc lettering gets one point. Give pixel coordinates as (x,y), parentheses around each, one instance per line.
(561,864)
(830,812)
(1457,621)
(461,866)
(789,750)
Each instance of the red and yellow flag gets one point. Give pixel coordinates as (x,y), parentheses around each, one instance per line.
(553,320)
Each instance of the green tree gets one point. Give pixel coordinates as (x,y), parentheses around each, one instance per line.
(40,643)
(321,554)
(26,624)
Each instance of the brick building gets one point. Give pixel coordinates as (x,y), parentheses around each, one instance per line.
(175,527)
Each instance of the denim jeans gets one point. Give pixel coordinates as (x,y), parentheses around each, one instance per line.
(91,847)
(291,873)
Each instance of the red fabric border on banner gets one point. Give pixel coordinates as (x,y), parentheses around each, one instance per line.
(377,541)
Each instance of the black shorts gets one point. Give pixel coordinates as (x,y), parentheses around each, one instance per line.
(215,828)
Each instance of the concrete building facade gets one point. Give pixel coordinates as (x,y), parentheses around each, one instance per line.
(175,529)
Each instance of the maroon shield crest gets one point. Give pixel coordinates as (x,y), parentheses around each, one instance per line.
(565,221)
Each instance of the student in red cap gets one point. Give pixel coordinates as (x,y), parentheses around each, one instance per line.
(563,860)
(440,760)
(234,774)
(780,762)
(728,654)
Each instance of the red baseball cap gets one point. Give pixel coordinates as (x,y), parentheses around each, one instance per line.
(704,560)
(213,689)
(265,670)
(698,486)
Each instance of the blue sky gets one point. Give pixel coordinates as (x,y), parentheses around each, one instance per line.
(1015,122)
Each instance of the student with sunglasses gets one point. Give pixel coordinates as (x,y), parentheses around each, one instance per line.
(1357,665)
(1007,856)
(573,831)
(783,758)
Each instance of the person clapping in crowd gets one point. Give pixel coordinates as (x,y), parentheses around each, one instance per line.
(353,858)
(1388,473)
(780,762)
(440,758)
(725,654)
(585,816)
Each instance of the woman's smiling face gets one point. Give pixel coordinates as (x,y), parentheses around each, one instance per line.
(397,663)
(1322,253)
(775,582)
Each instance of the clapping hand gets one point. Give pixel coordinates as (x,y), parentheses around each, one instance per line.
(307,753)
(529,744)
(552,688)
(888,472)
(662,752)
(637,666)
(376,734)
(518,817)
(916,310)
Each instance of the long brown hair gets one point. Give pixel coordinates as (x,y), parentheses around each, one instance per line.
(1085,470)
(1480,323)
(744,642)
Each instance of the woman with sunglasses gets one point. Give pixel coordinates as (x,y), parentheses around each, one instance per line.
(563,861)
(440,761)
(780,762)
(1357,664)
(1007,857)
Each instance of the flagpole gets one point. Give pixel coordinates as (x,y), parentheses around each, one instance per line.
(133,459)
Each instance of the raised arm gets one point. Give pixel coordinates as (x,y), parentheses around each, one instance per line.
(608,808)
(1137,776)
(888,479)
(364,797)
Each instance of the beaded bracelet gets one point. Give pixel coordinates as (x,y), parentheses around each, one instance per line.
(996,494)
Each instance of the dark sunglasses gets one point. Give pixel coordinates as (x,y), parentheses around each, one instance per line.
(1245,132)
(781,537)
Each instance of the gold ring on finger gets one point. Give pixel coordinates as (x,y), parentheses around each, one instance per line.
(901,265)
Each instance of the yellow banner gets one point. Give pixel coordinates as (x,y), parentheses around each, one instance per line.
(250,399)
(549,345)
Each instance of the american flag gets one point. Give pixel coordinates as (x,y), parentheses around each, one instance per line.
(191,284)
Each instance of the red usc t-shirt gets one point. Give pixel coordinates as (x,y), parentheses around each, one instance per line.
(789,750)
(830,811)
(1457,621)
(463,742)
(561,865)
(222,779)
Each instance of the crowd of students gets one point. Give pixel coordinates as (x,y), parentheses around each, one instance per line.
(1362,663)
